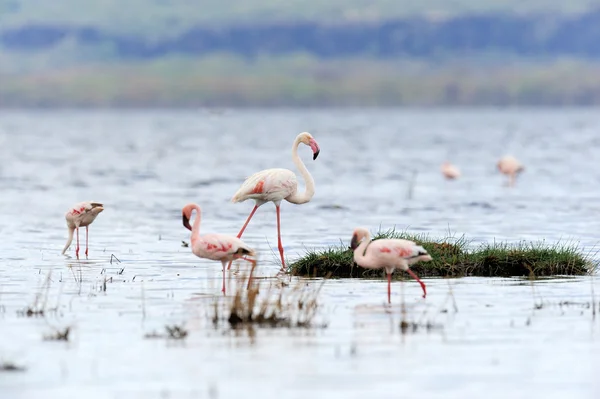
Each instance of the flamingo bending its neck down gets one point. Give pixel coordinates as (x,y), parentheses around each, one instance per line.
(509,165)
(275,185)
(216,246)
(387,253)
(450,171)
(81,215)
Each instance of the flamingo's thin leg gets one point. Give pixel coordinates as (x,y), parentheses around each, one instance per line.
(242,230)
(223,289)
(389,275)
(86,241)
(413,275)
(279,244)
(77,249)
(247,221)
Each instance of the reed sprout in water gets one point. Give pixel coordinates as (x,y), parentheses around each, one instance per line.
(281,307)
(452,258)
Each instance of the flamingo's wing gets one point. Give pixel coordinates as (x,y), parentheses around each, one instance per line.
(267,185)
(388,251)
(219,246)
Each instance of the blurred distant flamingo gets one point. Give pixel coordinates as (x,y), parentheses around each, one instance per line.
(81,215)
(216,246)
(509,165)
(275,185)
(387,253)
(450,171)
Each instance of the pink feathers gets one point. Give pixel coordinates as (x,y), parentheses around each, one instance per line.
(388,254)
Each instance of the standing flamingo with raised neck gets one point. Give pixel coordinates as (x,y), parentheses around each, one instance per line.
(389,254)
(509,165)
(81,215)
(219,247)
(275,185)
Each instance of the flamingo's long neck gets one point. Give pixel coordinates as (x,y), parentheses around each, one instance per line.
(69,239)
(359,253)
(309,190)
(196,225)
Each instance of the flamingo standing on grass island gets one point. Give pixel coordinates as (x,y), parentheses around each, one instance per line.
(387,253)
(509,165)
(275,185)
(220,247)
(450,171)
(81,215)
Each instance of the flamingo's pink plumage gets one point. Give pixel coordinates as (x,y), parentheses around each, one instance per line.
(221,247)
(509,165)
(450,171)
(388,254)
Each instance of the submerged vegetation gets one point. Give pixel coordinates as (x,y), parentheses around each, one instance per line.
(172,332)
(452,258)
(286,308)
(10,366)
(58,335)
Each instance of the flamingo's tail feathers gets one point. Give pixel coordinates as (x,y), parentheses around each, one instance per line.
(245,251)
(422,254)
(238,197)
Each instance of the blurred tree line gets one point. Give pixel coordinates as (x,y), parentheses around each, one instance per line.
(526,35)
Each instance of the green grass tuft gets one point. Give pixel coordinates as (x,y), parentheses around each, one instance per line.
(451,258)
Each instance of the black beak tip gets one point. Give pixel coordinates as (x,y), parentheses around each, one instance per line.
(316,154)
(186,222)
(354,243)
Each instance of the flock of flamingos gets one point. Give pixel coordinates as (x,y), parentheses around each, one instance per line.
(275,185)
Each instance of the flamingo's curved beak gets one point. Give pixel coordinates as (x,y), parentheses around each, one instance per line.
(354,242)
(315,148)
(186,222)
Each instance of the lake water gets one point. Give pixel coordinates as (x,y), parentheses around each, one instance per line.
(504,338)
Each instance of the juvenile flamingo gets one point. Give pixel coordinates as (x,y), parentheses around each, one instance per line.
(216,246)
(275,185)
(81,215)
(450,171)
(387,253)
(509,165)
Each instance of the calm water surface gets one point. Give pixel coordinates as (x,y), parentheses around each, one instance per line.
(144,166)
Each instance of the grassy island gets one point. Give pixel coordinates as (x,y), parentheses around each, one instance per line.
(452,258)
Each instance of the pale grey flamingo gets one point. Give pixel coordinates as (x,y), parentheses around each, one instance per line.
(275,185)
(81,215)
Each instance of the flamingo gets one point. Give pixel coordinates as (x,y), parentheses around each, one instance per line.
(275,185)
(509,165)
(450,171)
(216,246)
(80,215)
(387,253)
